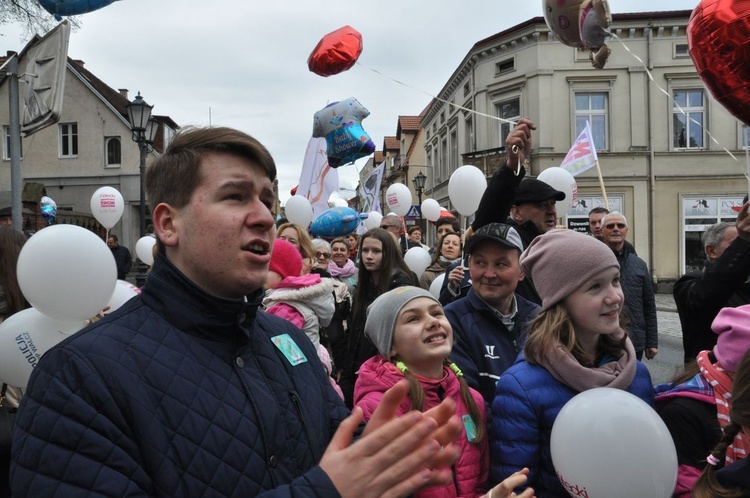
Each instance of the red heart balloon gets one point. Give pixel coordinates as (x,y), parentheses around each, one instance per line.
(336,52)
(719,41)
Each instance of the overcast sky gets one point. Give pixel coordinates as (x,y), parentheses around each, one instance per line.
(243,63)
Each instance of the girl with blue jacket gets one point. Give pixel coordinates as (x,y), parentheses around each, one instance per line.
(577,342)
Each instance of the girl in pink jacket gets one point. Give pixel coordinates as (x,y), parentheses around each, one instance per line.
(414,339)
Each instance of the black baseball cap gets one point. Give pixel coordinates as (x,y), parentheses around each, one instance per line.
(533,190)
(497,232)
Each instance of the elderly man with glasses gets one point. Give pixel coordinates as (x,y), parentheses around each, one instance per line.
(392,224)
(635,279)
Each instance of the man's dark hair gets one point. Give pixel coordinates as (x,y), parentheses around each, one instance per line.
(114,237)
(448,220)
(599,209)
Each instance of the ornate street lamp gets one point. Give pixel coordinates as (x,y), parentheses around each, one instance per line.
(418,182)
(144,129)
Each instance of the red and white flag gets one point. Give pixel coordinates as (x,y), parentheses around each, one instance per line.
(582,155)
(318,180)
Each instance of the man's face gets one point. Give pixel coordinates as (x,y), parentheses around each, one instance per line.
(222,239)
(542,214)
(495,273)
(416,236)
(614,231)
(595,224)
(111,242)
(443,229)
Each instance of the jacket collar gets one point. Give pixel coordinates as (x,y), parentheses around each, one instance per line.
(192,310)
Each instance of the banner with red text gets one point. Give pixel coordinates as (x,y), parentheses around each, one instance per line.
(582,155)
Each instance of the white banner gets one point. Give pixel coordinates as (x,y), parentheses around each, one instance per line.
(318,180)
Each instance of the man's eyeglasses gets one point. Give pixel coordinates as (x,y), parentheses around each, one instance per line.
(389,227)
(611,226)
(324,255)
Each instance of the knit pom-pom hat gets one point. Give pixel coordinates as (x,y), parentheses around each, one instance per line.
(732,325)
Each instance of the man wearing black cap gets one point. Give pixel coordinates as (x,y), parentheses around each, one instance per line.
(489,324)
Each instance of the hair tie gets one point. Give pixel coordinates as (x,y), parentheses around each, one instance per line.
(712,461)
(456,370)
(400,365)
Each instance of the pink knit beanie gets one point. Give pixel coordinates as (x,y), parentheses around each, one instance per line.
(732,325)
(285,259)
(560,261)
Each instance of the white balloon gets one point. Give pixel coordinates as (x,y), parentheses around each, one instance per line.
(124,292)
(107,206)
(560,179)
(144,249)
(417,259)
(373,220)
(430,209)
(299,211)
(436,285)
(66,272)
(24,337)
(644,462)
(465,189)
(398,198)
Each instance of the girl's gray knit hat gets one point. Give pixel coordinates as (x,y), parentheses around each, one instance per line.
(382,314)
(560,261)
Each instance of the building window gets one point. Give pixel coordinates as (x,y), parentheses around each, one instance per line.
(469,135)
(593,107)
(509,110)
(688,117)
(454,150)
(745,137)
(443,158)
(699,213)
(6,143)
(113,151)
(505,66)
(68,140)
(467,89)
(681,51)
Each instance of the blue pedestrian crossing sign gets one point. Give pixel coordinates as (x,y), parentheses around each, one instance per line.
(414,213)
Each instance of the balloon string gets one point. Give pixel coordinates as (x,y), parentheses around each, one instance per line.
(498,118)
(662,90)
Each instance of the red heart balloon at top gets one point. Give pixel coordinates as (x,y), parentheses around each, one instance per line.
(336,52)
(719,41)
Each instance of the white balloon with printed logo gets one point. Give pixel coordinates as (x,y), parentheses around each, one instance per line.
(107,206)
(560,179)
(66,272)
(643,460)
(24,337)
(430,209)
(398,198)
(465,189)
(299,211)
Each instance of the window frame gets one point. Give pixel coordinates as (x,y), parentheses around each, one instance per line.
(675,109)
(6,143)
(71,138)
(501,125)
(590,113)
(107,141)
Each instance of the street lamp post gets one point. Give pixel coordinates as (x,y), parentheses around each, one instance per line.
(418,182)
(144,129)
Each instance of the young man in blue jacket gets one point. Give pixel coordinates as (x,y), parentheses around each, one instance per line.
(190,389)
(489,324)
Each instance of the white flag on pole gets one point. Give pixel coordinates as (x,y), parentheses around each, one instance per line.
(318,180)
(582,155)
(370,191)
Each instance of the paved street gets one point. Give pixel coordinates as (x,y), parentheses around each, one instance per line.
(669,360)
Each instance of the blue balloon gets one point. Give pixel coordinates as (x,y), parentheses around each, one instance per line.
(336,222)
(59,8)
(340,123)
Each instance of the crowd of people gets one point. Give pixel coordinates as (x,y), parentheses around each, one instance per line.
(260,360)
